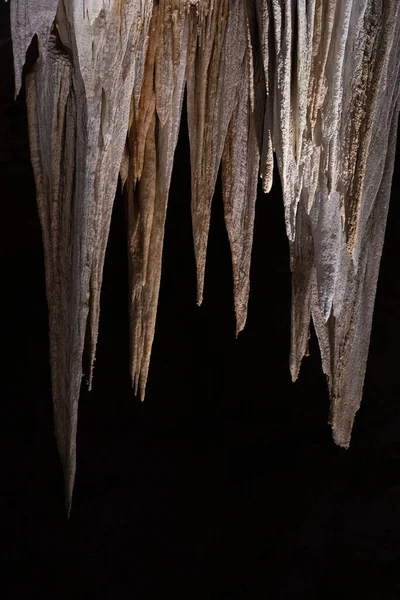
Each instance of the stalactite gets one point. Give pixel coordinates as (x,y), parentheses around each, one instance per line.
(153,135)
(78,99)
(316,83)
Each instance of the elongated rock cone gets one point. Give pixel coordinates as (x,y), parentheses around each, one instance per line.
(78,99)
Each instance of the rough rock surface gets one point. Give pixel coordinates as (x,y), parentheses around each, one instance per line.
(316,82)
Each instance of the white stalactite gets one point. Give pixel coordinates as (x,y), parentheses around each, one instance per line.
(316,82)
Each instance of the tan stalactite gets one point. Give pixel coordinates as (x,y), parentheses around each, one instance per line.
(240,167)
(212,86)
(338,179)
(147,188)
(78,100)
(316,83)
(51,113)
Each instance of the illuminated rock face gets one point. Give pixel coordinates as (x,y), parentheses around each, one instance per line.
(316,82)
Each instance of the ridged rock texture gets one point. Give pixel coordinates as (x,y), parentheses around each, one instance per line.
(314,81)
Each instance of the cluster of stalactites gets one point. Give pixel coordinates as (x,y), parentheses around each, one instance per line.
(316,82)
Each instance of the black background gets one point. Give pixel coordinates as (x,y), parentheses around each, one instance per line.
(225,482)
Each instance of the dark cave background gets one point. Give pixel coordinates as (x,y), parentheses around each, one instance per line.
(225,482)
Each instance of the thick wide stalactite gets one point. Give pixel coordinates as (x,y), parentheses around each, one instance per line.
(316,83)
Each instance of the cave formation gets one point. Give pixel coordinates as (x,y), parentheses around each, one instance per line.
(313,83)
